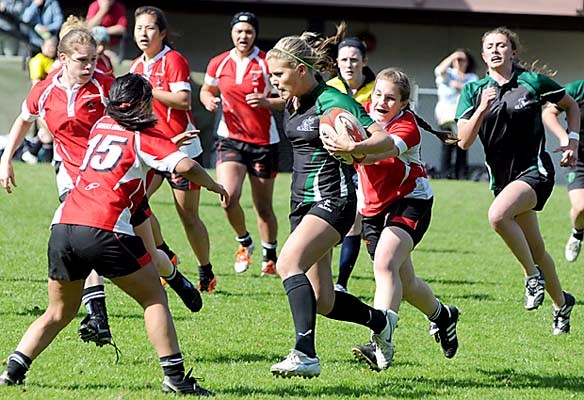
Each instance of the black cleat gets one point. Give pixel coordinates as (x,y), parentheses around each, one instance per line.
(562,316)
(7,380)
(188,385)
(446,334)
(95,329)
(187,292)
(366,353)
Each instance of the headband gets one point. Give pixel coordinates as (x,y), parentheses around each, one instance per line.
(300,60)
(354,42)
(248,17)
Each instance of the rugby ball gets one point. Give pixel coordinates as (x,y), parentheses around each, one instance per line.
(337,122)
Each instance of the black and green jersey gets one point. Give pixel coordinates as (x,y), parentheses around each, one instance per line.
(316,174)
(576,90)
(512,131)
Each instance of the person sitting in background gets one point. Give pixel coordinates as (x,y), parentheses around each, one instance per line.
(110,14)
(42,63)
(46,17)
(451,75)
(10,12)
(104,63)
(39,67)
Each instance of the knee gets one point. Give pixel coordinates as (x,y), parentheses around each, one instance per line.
(61,315)
(496,219)
(578,207)
(264,211)
(387,268)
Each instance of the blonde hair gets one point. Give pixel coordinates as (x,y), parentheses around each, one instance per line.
(311,49)
(72,22)
(75,38)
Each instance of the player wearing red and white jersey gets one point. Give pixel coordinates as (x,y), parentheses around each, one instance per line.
(238,79)
(169,74)
(92,229)
(71,100)
(69,111)
(396,203)
(408,178)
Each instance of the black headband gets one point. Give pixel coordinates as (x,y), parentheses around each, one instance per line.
(354,42)
(248,17)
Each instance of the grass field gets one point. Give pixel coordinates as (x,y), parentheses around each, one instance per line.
(245,326)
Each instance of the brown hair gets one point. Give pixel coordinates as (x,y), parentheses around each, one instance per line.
(402,82)
(311,49)
(75,38)
(516,45)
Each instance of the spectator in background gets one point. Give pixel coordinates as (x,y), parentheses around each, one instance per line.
(46,17)
(451,75)
(41,148)
(110,14)
(104,63)
(42,63)
(10,12)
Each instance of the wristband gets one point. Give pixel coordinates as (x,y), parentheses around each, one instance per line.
(574,136)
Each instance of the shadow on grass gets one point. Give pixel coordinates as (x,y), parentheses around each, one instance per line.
(459,282)
(444,251)
(508,377)
(23,279)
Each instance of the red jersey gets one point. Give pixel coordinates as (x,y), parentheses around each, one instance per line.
(169,71)
(104,65)
(235,79)
(386,181)
(69,114)
(115,16)
(112,178)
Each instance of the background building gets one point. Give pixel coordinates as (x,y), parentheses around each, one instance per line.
(411,34)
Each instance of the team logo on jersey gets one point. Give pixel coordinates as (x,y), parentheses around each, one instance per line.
(91,106)
(92,185)
(325,205)
(524,102)
(308,124)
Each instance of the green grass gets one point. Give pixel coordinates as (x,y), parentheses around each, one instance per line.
(505,353)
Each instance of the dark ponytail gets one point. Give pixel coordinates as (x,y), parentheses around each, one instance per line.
(130,102)
(445,136)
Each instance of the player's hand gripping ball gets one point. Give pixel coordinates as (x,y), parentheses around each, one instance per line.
(337,122)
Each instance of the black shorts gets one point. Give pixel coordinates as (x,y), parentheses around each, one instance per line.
(75,250)
(179,182)
(541,184)
(142,213)
(411,215)
(338,213)
(261,161)
(575,176)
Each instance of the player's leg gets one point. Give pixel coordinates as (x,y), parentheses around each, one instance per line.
(64,300)
(262,190)
(517,198)
(231,175)
(176,280)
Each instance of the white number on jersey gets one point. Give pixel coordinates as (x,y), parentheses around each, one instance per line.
(103,153)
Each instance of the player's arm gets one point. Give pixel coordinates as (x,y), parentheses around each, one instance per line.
(194,172)
(378,142)
(178,100)
(468,129)
(15,137)
(209,96)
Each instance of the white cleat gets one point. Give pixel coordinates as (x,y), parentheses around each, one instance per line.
(297,364)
